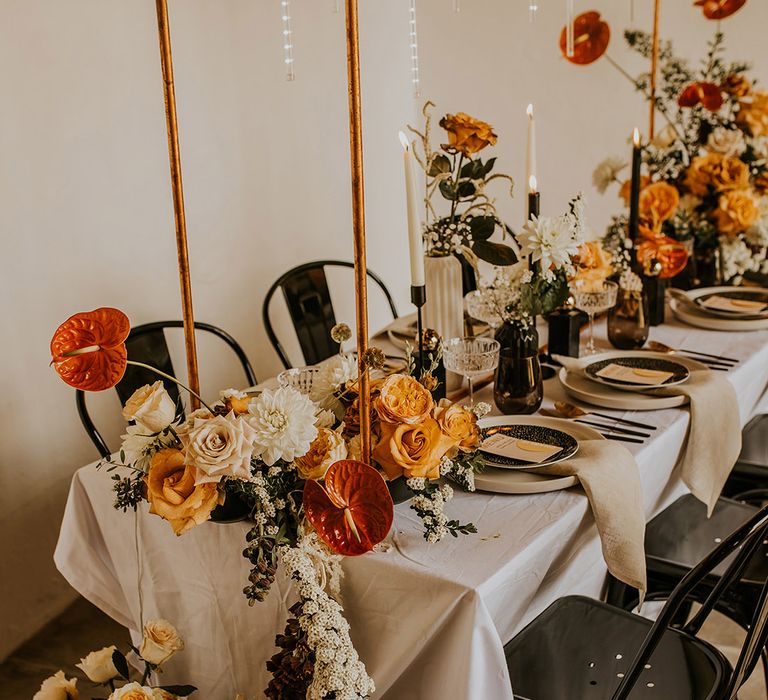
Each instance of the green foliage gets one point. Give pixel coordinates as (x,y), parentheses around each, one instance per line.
(542,296)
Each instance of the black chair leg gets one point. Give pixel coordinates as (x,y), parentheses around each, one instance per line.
(683,613)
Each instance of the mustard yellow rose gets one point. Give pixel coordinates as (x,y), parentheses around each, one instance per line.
(736,212)
(466,134)
(412,450)
(658,203)
(761,182)
(403,399)
(172,493)
(717,172)
(458,424)
(328,447)
(753,114)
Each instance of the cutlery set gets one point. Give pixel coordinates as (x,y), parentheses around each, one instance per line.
(609,430)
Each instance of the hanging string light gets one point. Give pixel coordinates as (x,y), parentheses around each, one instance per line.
(285,9)
(337,6)
(533,8)
(569,21)
(457,5)
(414,44)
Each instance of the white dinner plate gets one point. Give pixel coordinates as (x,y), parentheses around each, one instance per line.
(693,317)
(583,389)
(514,481)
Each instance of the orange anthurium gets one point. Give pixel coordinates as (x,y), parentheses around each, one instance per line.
(354,511)
(672,255)
(88,349)
(708,94)
(591,36)
(719,9)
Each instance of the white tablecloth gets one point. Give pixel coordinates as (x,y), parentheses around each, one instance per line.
(429,621)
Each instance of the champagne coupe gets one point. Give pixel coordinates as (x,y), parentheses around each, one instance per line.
(595,302)
(471,357)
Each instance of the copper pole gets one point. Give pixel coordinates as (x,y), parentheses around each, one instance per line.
(654,67)
(177,187)
(358,222)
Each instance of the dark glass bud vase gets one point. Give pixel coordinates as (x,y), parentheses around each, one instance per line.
(518,387)
(628,321)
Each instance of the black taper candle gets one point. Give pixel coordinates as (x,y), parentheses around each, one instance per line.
(419,298)
(634,197)
(534,202)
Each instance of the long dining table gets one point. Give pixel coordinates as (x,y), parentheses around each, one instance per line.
(429,621)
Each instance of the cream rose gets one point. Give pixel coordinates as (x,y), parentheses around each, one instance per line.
(218,447)
(98,665)
(458,424)
(58,687)
(403,400)
(161,641)
(412,450)
(133,691)
(173,495)
(151,406)
(729,142)
(328,447)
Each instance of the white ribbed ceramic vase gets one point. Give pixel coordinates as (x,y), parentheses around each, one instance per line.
(444,310)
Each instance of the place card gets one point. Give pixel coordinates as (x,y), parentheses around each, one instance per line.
(516,448)
(634,375)
(740,306)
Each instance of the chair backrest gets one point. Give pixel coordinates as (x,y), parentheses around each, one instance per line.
(741,545)
(146,343)
(305,289)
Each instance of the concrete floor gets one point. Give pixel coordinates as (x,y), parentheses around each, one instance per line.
(83,628)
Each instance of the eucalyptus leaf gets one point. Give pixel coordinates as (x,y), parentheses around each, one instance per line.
(494,253)
(120,663)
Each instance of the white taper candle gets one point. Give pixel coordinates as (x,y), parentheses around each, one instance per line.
(415,240)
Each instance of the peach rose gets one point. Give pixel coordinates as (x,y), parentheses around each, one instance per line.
(736,212)
(172,493)
(716,171)
(412,450)
(466,134)
(403,399)
(458,424)
(150,406)
(328,447)
(753,114)
(658,203)
(594,266)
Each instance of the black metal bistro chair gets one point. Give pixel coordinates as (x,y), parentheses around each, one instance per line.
(146,343)
(751,469)
(680,536)
(305,289)
(582,649)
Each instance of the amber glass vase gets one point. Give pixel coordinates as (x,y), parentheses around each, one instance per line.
(628,322)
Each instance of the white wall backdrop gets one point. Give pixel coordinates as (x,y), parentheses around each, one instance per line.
(85,204)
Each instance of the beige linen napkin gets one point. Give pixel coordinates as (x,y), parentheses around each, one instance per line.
(609,475)
(714,433)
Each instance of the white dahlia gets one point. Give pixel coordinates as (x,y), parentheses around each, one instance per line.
(284,421)
(333,374)
(551,240)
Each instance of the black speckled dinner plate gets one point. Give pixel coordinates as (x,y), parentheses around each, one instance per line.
(746,294)
(679,372)
(532,433)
